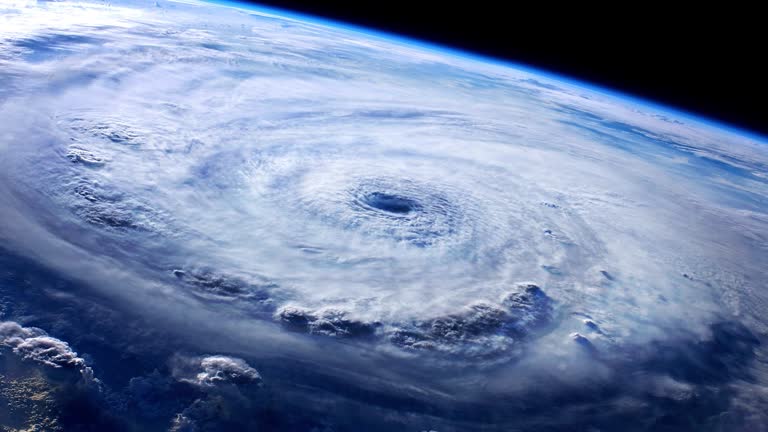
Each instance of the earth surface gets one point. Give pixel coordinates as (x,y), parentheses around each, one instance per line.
(221,217)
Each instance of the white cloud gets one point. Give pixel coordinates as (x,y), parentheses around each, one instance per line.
(34,344)
(215,370)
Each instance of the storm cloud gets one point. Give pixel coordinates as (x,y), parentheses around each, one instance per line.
(34,344)
(248,221)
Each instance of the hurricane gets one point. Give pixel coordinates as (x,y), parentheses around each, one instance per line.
(321,228)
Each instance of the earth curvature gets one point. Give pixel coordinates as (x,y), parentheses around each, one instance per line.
(218,217)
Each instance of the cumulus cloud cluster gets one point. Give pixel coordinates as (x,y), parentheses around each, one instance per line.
(228,390)
(216,370)
(477,330)
(34,344)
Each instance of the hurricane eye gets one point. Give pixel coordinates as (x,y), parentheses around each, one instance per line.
(391,203)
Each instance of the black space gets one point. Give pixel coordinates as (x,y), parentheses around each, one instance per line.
(708,60)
